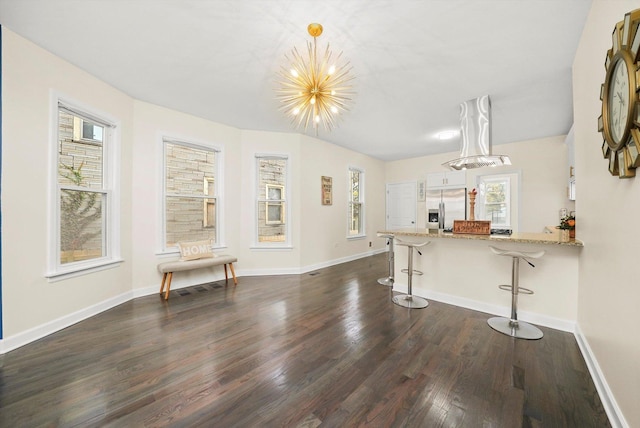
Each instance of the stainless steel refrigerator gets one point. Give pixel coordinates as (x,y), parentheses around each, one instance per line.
(449,204)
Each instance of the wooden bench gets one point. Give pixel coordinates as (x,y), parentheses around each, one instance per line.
(168,268)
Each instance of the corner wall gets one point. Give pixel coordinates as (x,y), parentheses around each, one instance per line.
(608,223)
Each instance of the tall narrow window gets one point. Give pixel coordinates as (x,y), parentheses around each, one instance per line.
(271,191)
(84,218)
(356,202)
(191,189)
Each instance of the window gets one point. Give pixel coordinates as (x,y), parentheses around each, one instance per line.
(356,203)
(271,191)
(495,195)
(191,193)
(85,221)
(275,204)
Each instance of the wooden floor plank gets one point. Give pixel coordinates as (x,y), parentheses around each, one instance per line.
(328,349)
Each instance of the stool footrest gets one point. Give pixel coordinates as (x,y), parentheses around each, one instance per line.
(415,272)
(521,290)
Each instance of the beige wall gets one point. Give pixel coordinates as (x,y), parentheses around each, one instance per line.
(33,306)
(543,168)
(29,75)
(608,208)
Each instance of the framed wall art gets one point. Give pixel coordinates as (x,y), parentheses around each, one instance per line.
(326,190)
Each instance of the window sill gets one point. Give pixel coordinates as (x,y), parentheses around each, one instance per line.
(85,269)
(271,248)
(175,252)
(356,237)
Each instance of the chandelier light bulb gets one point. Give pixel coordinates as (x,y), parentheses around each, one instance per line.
(314,87)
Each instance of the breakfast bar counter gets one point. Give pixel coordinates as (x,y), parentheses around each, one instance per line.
(460,269)
(523,238)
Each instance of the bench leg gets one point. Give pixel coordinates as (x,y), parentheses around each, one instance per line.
(226,275)
(169,276)
(233,273)
(164,278)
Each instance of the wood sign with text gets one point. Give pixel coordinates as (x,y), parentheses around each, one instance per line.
(472,227)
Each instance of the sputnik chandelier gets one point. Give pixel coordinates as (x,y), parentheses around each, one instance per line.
(312,90)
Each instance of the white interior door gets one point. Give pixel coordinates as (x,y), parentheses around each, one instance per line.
(401,205)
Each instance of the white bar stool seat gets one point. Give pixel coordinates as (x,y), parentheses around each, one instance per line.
(388,281)
(512,326)
(408,300)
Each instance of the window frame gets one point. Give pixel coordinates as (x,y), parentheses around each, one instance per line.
(286,213)
(167,138)
(361,202)
(277,202)
(110,191)
(512,180)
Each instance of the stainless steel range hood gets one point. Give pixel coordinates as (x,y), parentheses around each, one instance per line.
(475,133)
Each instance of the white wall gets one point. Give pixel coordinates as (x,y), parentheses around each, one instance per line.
(607,208)
(28,77)
(543,168)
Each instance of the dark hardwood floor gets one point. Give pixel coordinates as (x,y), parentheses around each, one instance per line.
(322,349)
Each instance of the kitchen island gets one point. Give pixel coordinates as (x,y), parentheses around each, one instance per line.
(460,269)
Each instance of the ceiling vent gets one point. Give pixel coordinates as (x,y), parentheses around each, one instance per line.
(475,133)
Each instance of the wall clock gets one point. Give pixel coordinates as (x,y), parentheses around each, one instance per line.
(620,119)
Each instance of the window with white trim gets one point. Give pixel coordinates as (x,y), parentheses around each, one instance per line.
(84,223)
(356,203)
(495,199)
(191,184)
(271,200)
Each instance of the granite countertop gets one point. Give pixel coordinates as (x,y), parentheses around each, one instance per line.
(521,237)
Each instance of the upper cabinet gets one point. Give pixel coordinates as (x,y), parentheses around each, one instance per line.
(447,180)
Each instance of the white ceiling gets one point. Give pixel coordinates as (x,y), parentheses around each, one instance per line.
(415,61)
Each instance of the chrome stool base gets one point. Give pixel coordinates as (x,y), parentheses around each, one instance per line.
(512,326)
(386,281)
(517,329)
(411,302)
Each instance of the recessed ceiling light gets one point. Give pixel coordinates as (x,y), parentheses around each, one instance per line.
(447,135)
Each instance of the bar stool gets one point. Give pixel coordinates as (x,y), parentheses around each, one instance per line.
(408,300)
(511,326)
(389,280)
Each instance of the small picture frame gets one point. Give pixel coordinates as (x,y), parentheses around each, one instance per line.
(421,190)
(326,190)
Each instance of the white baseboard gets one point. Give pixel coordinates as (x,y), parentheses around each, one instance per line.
(616,418)
(12,342)
(308,268)
(499,310)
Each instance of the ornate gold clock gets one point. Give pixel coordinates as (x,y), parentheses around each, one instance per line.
(620,119)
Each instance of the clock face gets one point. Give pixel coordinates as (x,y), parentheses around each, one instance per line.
(618,100)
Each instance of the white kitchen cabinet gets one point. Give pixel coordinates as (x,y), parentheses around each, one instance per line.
(447,180)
